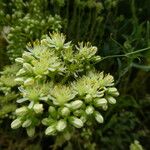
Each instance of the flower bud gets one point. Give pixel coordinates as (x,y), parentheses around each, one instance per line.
(96,58)
(52,69)
(76,104)
(47,121)
(43,41)
(46,72)
(99,118)
(38,108)
(19,80)
(31,104)
(26,123)
(67,135)
(50,130)
(100,102)
(113,91)
(111,100)
(16,123)
(78,112)
(100,94)
(52,111)
(105,107)
(22,100)
(21,111)
(30,131)
(61,125)
(28,67)
(83,118)
(89,110)
(44,98)
(76,122)
(88,98)
(29,81)
(19,60)
(65,111)
(38,77)
(21,72)
(27,56)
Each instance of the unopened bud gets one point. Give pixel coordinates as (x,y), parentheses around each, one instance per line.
(38,108)
(19,60)
(61,125)
(89,110)
(65,111)
(105,107)
(84,118)
(52,111)
(20,80)
(29,81)
(27,56)
(76,104)
(97,58)
(21,72)
(31,131)
(76,122)
(100,102)
(52,69)
(99,118)
(88,98)
(46,121)
(21,111)
(113,91)
(16,124)
(111,99)
(50,130)
(26,123)
(28,67)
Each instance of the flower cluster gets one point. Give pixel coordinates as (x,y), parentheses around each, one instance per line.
(26,22)
(7,78)
(29,28)
(60,87)
(8,92)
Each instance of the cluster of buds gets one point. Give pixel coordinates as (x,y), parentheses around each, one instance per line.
(58,88)
(53,57)
(8,91)
(26,21)
(27,117)
(29,28)
(7,78)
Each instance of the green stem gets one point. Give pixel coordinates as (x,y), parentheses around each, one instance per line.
(127,54)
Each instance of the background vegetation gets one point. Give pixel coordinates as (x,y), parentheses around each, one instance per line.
(121,31)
